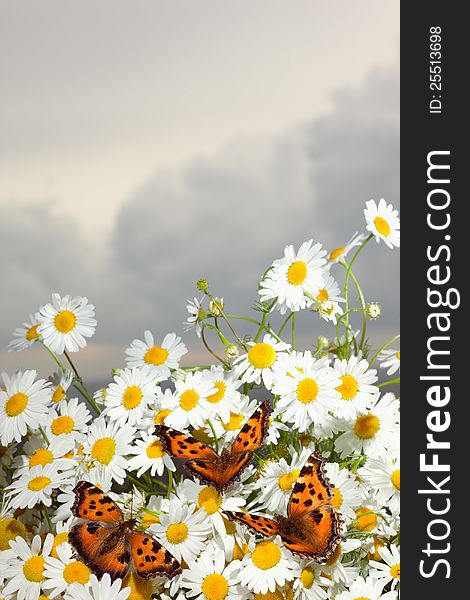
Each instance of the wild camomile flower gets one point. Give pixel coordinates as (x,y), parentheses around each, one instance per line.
(268,564)
(262,357)
(330,310)
(309,583)
(382,474)
(188,405)
(330,290)
(70,418)
(196,314)
(148,454)
(66,322)
(37,485)
(342,251)
(60,383)
(382,221)
(357,390)
(389,570)
(37,452)
(64,570)
(390,359)
(23,405)
(99,590)
(346,491)
(24,337)
(366,588)
(161,358)
(227,397)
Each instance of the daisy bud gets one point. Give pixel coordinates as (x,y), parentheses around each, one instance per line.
(202,285)
(116,372)
(216,306)
(231,352)
(322,342)
(373,310)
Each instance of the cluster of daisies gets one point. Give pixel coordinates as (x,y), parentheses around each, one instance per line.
(55,432)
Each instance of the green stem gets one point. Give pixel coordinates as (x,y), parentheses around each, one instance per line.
(55,357)
(293,332)
(348,267)
(81,386)
(374,358)
(244,319)
(48,519)
(389,382)
(285,323)
(216,441)
(263,321)
(43,433)
(170,484)
(208,348)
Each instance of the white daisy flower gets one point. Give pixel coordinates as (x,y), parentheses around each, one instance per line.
(62,529)
(37,453)
(25,572)
(66,323)
(372,432)
(390,571)
(382,474)
(37,485)
(382,221)
(227,430)
(196,314)
(307,388)
(227,397)
(357,390)
(23,405)
(128,397)
(98,590)
(268,565)
(148,454)
(366,588)
(329,310)
(183,531)
(261,359)
(188,405)
(368,516)
(24,337)
(70,418)
(60,383)
(162,359)
(211,503)
(309,583)
(341,252)
(64,571)
(207,578)
(346,491)
(390,359)
(337,571)
(291,277)
(276,480)
(106,446)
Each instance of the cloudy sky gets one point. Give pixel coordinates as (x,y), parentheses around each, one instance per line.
(145,144)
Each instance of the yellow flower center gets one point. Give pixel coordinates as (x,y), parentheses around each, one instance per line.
(132,397)
(230,527)
(240,552)
(189,399)
(58,394)
(103,450)
(398,354)
(337,252)
(64,424)
(149,519)
(32,333)
(235,422)
(297,272)
(41,456)
(378,543)
(39,483)
(334,558)
(395,571)
(366,519)
(141,589)
(361,598)
(395,478)
(266,555)
(10,529)
(261,356)
(16,404)
(160,416)
(287,480)
(155,449)
(209,499)
(307,390)
(382,226)
(65,321)
(76,572)
(219,394)
(307,577)
(59,539)
(215,587)
(348,389)
(177,533)
(276,595)
(156,355)
(33,569)
(366,426)
(322,295)
(337,499)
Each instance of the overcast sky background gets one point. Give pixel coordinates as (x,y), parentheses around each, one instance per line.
(145,144)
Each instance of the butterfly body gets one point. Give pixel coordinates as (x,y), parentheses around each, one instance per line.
(107,543)
(312,527)
(210,468)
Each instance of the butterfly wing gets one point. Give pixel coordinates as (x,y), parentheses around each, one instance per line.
(94,505)
(102,549)
(312,488)
(150,558)
(263,525)
(181,445)
(254,431)
(220,472)
(316,535)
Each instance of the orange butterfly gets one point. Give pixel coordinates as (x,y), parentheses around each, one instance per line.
(312,527)
(204,463)
(106,543)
